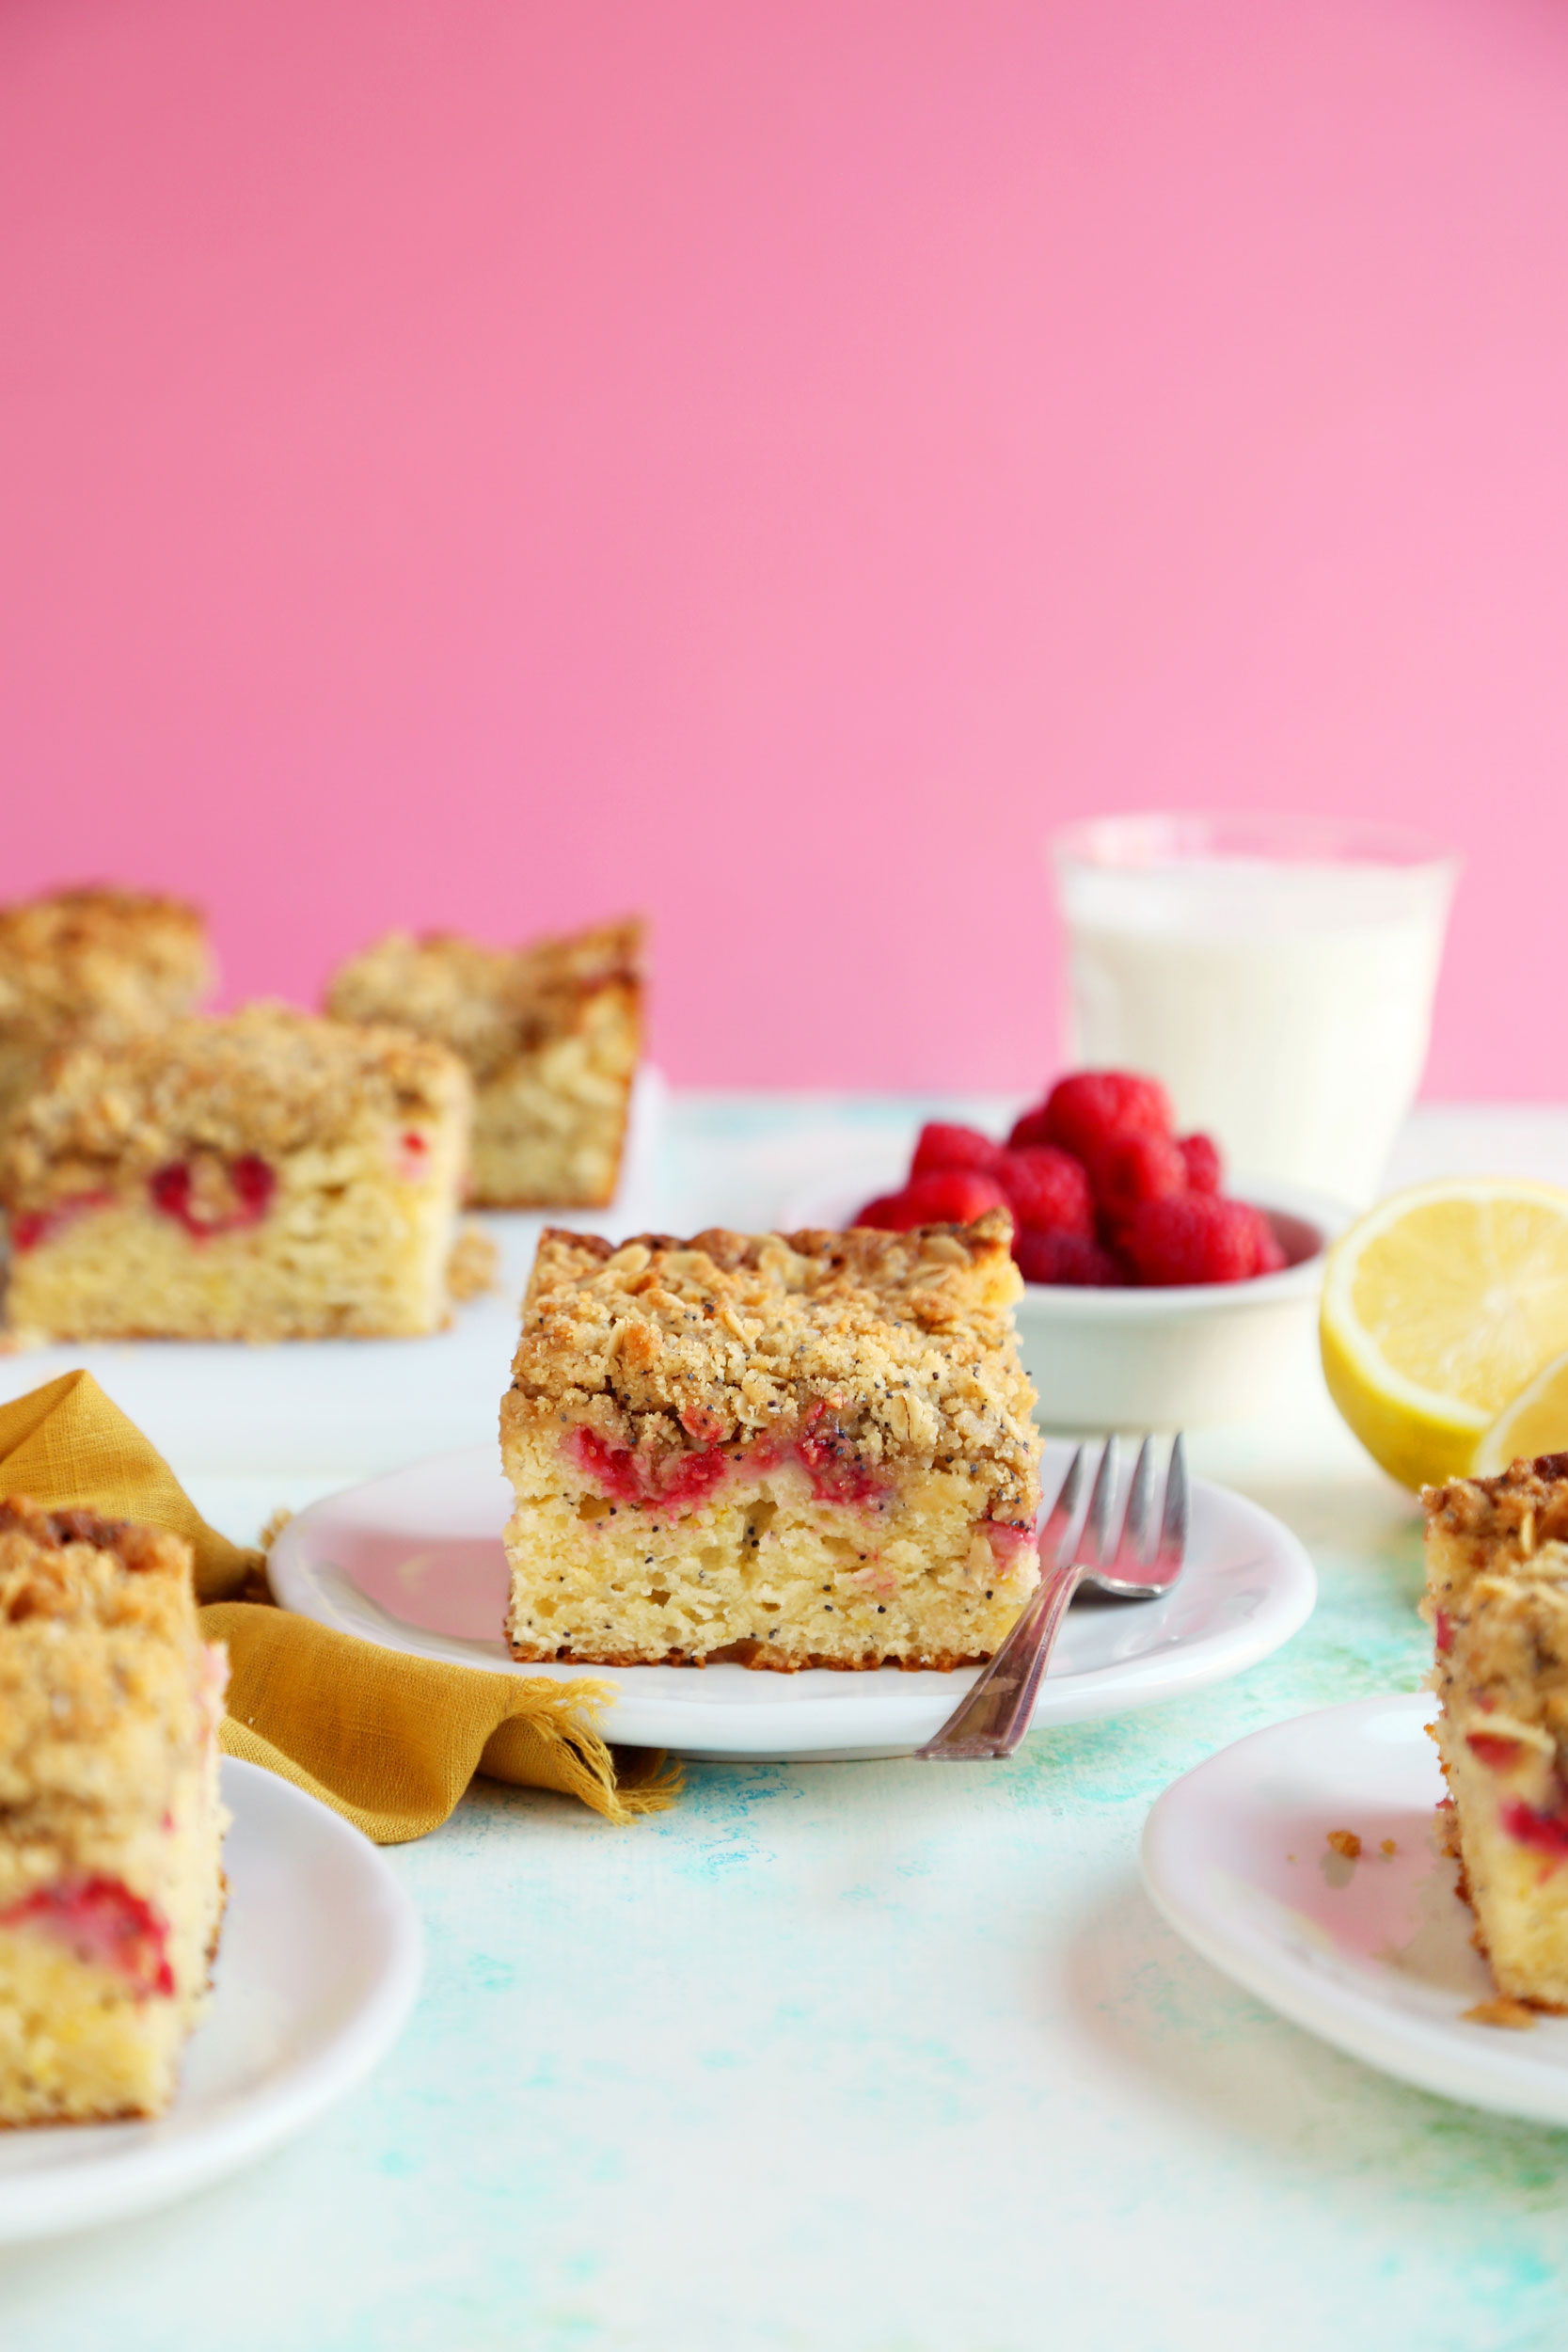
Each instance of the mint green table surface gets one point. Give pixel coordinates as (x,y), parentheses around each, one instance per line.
(870,2057)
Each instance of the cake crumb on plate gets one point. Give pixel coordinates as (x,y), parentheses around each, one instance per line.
(1517,2016)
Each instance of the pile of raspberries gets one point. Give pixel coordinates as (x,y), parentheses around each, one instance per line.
(1103,1190)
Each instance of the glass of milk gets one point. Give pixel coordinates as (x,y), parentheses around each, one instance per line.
(1277,972)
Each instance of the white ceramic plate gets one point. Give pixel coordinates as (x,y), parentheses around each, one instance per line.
(414,1561)
(1189,1357)
(317,1970)
(1375,1954)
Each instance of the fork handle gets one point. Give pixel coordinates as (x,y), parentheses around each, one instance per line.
(993,1720)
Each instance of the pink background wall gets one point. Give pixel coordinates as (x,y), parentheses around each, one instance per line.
(768,460)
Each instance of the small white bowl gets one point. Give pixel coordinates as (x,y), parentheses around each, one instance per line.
(1187,1358)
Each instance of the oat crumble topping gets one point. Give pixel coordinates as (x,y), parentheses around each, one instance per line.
(98,1644)
(902,1340)
(266,1080)
(488,1004)
(78,954)
(1497,1567)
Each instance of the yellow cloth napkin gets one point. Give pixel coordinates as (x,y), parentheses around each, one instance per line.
(391,1743)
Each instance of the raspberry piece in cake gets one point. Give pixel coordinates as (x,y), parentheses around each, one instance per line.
(551,1036)
(1496,1553)
(111,1893)
(804,1450)
(268,1176)
(98,966)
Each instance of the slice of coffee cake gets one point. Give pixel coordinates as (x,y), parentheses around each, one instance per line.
(550,1034)
(96,966)
(111,1891)
(268,1176)
(1497,1597)
(803,1449)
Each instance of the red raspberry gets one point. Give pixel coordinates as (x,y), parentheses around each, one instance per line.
(1092,1105)
(947,1196)
(1191,1237)
(1270,1257)
(954,1196)
(954,1147)
(214,1206)
(889,1213)
(1060,1257)
(1131,1169)
(1204,1168)
(1047,1188)
(1029,1131)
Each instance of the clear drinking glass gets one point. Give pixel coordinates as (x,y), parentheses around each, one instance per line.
(1277,972)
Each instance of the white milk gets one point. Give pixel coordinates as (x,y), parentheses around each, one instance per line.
(1287,1004)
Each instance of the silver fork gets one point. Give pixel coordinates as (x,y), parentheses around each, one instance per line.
(992,1718)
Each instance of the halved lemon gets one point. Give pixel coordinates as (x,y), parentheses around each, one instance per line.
(1439,1308)
(1535,1423)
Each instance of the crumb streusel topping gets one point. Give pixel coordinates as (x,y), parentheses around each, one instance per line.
(98,1645)
(1498,1583)
(902,1340)
(267,1080)
(1518,1518)
(488,1004)
(83,956)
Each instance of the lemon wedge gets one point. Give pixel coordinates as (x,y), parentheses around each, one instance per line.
(1535,1423)
(1440,1308)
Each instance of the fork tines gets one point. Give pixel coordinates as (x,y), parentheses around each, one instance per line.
(1102,1545)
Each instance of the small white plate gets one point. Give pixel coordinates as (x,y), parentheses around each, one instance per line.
(414,1561)
(316,1973)
(1372,1954)
(1193,1356)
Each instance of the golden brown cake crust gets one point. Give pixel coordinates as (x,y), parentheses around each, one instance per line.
(79,954)
(489,1003)
(754,1655)
(91,966)
(1524,1505)
(903,1341)
(77,1567)
(98,1644)
(141,1550)
(267,1080)
(1498,1583)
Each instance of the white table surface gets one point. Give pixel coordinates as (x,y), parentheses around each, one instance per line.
(847,2057)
